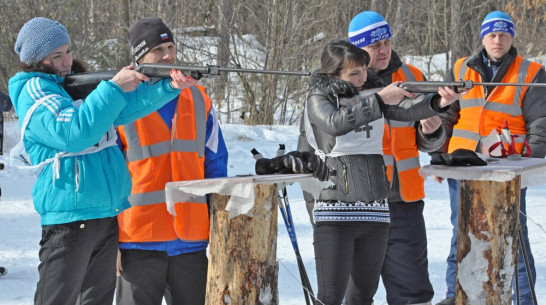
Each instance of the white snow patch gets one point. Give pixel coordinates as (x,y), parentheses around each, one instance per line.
(227,299)
(265,297)
(472,271)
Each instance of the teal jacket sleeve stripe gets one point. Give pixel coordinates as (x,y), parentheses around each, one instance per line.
(60,124)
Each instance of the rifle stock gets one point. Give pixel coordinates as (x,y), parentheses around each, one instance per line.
(432,87)
(79,85)
(459,87)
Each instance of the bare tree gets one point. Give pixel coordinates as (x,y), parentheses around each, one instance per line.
(267,34)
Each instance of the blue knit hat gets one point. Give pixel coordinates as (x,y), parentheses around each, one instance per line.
(38,38)
(497,22)
(367,28)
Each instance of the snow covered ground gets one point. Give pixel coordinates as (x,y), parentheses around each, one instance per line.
(20,224)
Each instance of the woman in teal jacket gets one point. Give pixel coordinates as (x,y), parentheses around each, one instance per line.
(83,182)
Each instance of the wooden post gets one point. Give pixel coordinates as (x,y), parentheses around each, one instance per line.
(242,263)
(487,243)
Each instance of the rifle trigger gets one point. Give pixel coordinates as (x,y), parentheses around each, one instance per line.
(195,74)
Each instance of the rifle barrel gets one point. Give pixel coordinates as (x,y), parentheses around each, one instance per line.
(279,72)
(511,84)
(162,70)
(460,86)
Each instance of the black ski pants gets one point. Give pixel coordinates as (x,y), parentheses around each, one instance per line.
(405,269)
(349,256)
(78,263)
(148,275)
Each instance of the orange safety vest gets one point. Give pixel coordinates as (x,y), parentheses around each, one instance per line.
(155,155)
(399,146)
(479,116)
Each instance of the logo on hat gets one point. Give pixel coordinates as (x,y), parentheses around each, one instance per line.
(164,36)
(500,24)
(378,32)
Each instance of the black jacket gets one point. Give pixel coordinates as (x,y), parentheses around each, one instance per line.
(334,108)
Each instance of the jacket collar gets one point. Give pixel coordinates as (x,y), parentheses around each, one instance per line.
(332,86)
(374,81)
(475,62)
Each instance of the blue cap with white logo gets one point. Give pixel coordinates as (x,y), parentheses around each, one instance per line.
(368,27)
(497,22)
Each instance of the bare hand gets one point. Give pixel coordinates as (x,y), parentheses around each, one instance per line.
(181,81)
(118,264)
(128,79)
(392,94)
(448,96)
(430,125)
(438,179)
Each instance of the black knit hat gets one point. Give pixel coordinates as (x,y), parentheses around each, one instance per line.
(146,34)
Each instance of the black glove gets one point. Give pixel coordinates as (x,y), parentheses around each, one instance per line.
(306,162)
(317,166)
(282,164)
(266,166)
(459,157)
(294,162)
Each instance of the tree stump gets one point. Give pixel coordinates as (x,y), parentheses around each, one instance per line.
(487,244)
(242,262)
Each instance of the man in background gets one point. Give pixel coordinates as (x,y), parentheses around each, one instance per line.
(405,268)
(485,108)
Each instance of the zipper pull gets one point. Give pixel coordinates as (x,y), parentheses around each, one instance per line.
(346,180)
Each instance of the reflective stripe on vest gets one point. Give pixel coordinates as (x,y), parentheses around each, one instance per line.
(138,152)
(399,145)
(156,155)
(479,116)
(157,197)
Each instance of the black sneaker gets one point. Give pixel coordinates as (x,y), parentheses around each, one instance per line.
(3,271)
(447,301)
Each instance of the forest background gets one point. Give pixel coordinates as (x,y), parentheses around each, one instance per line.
(269,34)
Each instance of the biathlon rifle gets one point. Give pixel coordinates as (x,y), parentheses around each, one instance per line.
(79,85)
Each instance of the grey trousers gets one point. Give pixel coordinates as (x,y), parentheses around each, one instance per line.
(148,275)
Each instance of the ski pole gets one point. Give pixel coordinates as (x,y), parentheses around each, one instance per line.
(284,207)
(527,267)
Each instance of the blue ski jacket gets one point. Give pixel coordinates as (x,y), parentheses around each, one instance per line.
(73,186)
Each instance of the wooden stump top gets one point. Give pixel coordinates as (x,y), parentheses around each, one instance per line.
(531,170)
(239,188)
